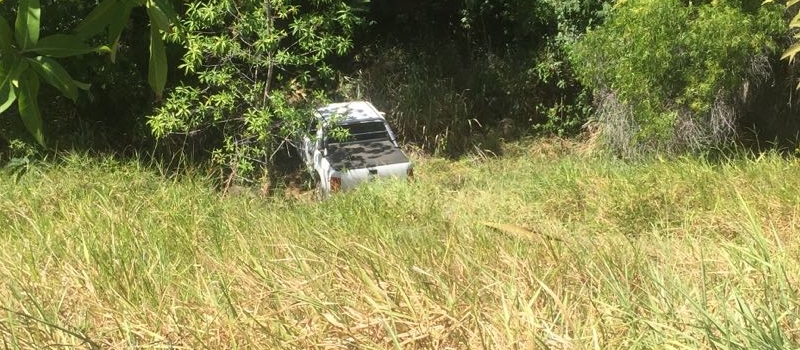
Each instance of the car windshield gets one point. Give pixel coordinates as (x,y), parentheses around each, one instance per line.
(365,131)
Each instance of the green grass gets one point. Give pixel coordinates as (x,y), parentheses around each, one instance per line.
(588,253)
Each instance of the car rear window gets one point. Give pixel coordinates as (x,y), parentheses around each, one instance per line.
(366,131)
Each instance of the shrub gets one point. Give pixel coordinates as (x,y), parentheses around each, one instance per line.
(670,76)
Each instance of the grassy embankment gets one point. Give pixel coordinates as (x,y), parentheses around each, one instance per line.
(595,254)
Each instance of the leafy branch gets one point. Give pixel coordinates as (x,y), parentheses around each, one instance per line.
(26,59)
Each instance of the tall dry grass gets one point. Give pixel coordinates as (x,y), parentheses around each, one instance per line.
(545,248)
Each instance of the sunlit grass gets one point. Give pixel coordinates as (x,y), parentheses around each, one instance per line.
(545,248)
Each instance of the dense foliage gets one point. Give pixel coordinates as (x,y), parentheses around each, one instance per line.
(672,76)
(234,80)
(75,30)
(465,74)
(254,69)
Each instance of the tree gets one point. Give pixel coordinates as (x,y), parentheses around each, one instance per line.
(255,68)
(26,59)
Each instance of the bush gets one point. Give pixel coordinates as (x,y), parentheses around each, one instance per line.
(670,76)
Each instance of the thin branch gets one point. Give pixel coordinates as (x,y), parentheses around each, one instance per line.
(271,64)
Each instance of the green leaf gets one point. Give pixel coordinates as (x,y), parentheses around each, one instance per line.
(54,74)
(27,24)
(5,36)
(65,45)
(115,29)
(122,16)
(7,97)
(157,18)
(791,52)
(82,85)
(99,18)
(29,105)
(167,9)
(157,75)
(9,71)
(11,67)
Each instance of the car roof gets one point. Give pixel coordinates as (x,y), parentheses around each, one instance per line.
(350,112)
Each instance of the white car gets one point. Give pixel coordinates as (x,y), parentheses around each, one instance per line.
(369,150)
